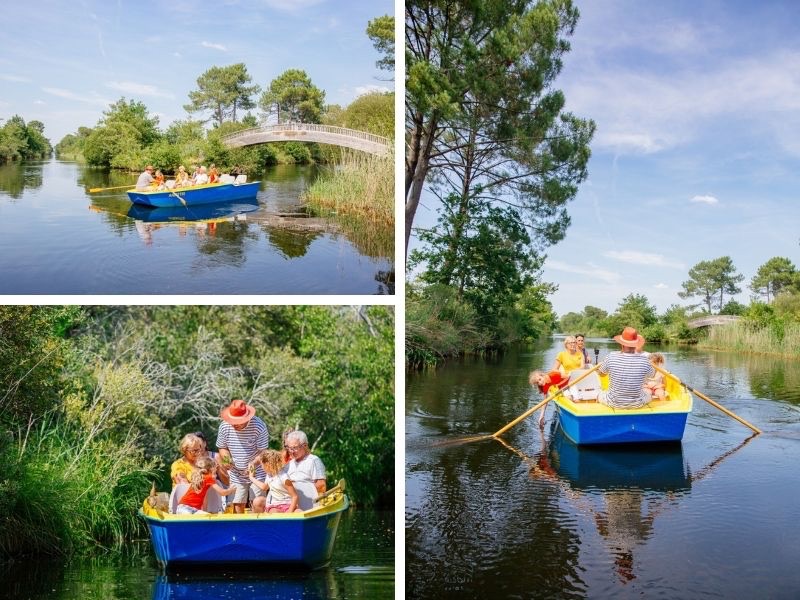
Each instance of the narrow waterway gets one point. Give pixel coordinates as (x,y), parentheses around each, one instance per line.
(57,238)
(715,516)
(362,566)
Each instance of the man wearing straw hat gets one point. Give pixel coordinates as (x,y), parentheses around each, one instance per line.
(627,371)
(240,438)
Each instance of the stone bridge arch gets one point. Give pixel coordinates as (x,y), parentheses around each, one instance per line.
(311,132)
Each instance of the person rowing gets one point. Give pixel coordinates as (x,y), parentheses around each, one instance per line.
(627,372)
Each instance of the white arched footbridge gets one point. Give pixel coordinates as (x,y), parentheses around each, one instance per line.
(311,132)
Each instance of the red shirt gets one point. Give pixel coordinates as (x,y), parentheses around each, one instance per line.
(195,499)
(556,378)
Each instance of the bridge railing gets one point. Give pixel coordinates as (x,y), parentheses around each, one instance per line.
(353,133)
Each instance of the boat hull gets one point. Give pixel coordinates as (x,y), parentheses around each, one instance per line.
(201,194)
(595,423)
(302,539)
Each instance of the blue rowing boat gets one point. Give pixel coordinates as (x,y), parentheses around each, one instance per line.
(586,421)
(303,539)
(199,194)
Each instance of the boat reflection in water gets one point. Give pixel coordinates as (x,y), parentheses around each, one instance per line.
(203,219)
(228,583)
(621,487)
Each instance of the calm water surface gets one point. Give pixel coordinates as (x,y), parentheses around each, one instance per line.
(362,567)
(56,238)
(715,516)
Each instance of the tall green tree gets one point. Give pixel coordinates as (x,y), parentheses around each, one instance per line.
(710,280)
(773,276)
(635,311)
(381,31)
(293,98)
(223,91)
(478,95)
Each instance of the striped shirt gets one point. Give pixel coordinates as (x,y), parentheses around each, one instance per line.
(627,373)
(243,445)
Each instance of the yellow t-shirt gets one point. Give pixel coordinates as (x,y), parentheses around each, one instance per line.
(180,466)
(569,361)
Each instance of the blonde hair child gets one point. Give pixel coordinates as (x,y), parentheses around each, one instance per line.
(655,385)
(283,497)
(202,479)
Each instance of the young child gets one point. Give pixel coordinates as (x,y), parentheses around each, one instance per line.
(203,478)
(655,385)
(283,497)
(544,381)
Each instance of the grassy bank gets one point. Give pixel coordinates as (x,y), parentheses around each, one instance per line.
(65,490)
(779,338)
(361,186)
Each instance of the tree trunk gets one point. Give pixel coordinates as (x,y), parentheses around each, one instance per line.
(420,172)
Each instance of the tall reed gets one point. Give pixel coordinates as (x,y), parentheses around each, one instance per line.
(779,338)
(61,490)
(361,185)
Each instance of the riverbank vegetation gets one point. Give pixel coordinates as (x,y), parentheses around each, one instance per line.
(769,324)
(21,141)
(95,399)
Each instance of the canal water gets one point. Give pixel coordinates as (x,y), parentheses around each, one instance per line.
(534,516)
(362,567)
(57,238)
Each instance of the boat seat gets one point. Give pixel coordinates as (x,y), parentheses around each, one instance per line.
(170,184)
(177,493)
(240,179)
(227,178)
(213,502)
(586,389)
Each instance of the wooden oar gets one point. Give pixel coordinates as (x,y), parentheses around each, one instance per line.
(119,187)
(709,400)
(179,198)
(530,411)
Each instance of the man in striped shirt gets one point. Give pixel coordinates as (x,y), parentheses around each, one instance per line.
(627,371)
(240,438)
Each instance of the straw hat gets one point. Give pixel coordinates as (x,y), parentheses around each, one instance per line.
(238,412)
(630,338)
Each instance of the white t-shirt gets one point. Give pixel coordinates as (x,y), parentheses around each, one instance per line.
(277,487)
(308,469)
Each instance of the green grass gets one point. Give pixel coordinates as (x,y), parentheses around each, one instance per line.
(64,490)
(780,339)
(361,185)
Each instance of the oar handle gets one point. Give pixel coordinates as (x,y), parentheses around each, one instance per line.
(709,400)
(119,187)
(530,411)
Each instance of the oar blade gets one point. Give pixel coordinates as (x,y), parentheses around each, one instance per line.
(464,440)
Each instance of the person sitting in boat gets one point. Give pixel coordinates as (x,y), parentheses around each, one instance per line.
(158,181)
(202,177)
(195,173)
(304,466)
(222,475)
(181,177)
(627,371)
(202,479)
(213,174)
(282,496)
(145,179)
(580,340)
(240,438)
(544,381)
(570,359)
(192,449)
(655,385)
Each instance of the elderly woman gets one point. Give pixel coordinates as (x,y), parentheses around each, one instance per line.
(570,359)
(191,448)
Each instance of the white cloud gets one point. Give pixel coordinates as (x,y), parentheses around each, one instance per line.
(707,199)
(291,5)
(15,78)
(661,286)
(39,102)
(138,89)
(370,88)
(589,270)
(214,46)
(68,95)
(642,258)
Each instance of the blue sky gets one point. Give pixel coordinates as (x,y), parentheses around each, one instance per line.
(697,149)
(63,63)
